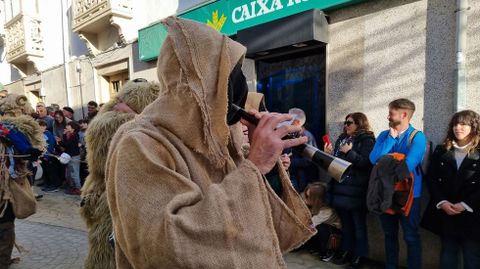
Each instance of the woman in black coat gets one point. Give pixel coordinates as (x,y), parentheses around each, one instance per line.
(349,197)
(454,184)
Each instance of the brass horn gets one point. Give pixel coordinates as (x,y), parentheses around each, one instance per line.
(337,168)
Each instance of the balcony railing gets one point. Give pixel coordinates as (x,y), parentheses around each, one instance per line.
(91,16)
(24,39)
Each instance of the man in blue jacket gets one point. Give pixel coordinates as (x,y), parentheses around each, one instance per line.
(396,140)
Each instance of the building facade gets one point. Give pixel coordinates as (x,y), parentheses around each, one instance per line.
(37,45)
(334,57)
(69,52)
(349,55)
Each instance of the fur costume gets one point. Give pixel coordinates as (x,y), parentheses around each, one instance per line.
(22,134)
(94,210)
(15,105)
(180,192)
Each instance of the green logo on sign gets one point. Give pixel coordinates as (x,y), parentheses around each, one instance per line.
(217,23)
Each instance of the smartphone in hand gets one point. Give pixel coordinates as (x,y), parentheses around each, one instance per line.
(326,140)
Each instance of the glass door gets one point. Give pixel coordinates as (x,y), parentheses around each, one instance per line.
(296,80)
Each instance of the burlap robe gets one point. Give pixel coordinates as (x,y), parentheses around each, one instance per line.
(180,192)
(16,192)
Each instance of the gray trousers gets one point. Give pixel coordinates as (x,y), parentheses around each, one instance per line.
(73,171)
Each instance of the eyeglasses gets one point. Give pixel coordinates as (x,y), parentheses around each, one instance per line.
(348,123)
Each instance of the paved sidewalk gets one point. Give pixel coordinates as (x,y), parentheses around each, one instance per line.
(59,209)
(303,260)
(50,247)
(56,238)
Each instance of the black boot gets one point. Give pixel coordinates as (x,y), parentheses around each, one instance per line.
(7,239)
(341,258)
(356,263)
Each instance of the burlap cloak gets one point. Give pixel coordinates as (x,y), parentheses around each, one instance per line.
(180,192)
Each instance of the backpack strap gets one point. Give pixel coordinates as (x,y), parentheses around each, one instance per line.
(409,143)
(411,137)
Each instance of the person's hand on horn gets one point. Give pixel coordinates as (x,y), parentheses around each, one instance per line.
(266,144)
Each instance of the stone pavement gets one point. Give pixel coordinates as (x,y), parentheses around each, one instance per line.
(56,238)
(303,260)
(49,246)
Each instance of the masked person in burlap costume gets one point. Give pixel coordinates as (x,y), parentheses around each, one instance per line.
(21,140)
(128,102)
(180,192)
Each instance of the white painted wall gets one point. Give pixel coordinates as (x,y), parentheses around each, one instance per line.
(51,16)
(145,12)
(7,72)
(12,8)
(50,13)
(54,88)
(107,38)
(77,46)
(29,7)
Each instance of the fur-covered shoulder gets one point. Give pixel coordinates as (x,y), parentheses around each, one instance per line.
(28,126)
(98,136)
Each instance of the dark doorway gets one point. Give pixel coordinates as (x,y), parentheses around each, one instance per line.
(296,80)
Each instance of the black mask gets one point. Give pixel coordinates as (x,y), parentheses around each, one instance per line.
(237,93)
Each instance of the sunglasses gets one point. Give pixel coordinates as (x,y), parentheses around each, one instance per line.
(348,123)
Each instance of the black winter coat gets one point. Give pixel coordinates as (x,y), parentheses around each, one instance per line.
(352,192)
(446,182)
(381,186)
(71,144)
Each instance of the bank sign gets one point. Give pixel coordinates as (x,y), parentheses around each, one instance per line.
(231,16)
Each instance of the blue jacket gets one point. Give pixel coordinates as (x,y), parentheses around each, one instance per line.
(51,142)
(414,156)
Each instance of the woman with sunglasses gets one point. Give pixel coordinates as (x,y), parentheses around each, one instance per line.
(349,197)
(453,181)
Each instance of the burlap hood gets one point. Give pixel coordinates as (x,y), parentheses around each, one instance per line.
(194,81)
